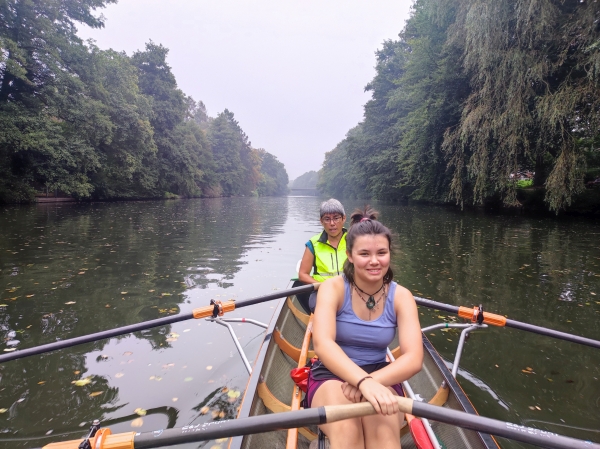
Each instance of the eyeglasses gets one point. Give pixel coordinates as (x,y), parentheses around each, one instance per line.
(335,219)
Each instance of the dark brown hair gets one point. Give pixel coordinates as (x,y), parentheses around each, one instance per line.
(364,222)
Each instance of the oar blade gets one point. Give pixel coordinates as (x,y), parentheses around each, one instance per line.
(419,434)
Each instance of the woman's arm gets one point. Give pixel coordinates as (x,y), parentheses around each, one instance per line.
(306,265)
(410,361)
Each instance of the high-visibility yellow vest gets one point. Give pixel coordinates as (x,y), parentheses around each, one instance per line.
(329,261)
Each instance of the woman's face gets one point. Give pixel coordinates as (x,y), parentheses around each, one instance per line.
(371,257)
(333,223)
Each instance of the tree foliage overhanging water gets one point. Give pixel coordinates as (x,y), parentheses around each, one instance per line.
(94,123)
(472,93)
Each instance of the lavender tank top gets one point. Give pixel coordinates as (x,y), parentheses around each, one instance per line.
(365,342)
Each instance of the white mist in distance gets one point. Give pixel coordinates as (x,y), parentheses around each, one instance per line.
(292,72)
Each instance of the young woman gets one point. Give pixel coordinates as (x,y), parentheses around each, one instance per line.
(325,253)
(355,320)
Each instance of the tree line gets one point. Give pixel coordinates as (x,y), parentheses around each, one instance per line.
(99,124)
(471,94)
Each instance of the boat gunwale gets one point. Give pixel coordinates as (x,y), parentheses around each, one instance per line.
(460,395)
(251,386)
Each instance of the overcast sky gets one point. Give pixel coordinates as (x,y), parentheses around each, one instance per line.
(292,72)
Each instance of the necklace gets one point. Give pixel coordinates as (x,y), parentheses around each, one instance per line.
(370,303)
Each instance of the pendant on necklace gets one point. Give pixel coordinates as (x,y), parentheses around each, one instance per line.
(370,303)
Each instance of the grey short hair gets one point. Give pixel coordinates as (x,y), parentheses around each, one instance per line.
(331,206)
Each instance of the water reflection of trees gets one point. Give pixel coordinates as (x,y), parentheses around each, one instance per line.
(108,265)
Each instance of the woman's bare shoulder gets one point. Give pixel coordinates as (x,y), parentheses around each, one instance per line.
(403,295)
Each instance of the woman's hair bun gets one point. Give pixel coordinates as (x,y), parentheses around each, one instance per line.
(366,213)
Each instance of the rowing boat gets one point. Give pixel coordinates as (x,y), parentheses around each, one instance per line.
(287,345)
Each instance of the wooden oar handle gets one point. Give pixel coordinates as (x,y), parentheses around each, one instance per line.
(340,412)
(206,311)
(488,318)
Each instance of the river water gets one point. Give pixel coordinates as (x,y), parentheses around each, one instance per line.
(72,269)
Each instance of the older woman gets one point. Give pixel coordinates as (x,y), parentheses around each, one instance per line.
(325,253)
(355,320)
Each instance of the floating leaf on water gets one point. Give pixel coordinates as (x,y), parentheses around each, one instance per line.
(76,372)
(549,380)
(204,410)
(140,411)
(173,335)
(10,349)
(432,334)
(138,422)
(527,371)
(216,446)
(174,399)
(82,382)
(118,375)
(529,368)
(170,340)
(188,379)
(107,306)
(96,393)
(70,302)
(531,407)
(166,294)
(81,272)
(127,353)
(215,414)
(41,382)
(3,410)
(123,293)
(537,408)
(186,330)
(151,291)
(211,381)
(224,390)
(29,296)
(441,317)
(234,394)
(221,415)
(592,293)
(496,366)
(49,432)
(209,367)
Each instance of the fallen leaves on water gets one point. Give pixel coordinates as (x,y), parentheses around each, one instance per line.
(107,306)
(41,382)
(118,375)
(204,410)
(188,379)
(186,330)
(166,294)
(216,446)
(156,378)
(3,410)
(82,382)
(528,370)
(209,367)
(174,399)
(81,272)
(29,296)
(127,353)
(151,291)
(173,335)
(170,340)
(49,432)
(10,349)
(123,293)
(496,366)
(138,422)
(95,393)
(140,411)
(222,440)
(70,302)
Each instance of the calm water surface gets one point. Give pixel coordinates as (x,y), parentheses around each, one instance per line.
(71,269)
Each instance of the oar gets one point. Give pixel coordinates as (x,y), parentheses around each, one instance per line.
(216,308)
(322,415)
(499,320)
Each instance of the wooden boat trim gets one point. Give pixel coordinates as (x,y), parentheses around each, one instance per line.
(487,440)
(292,436)
(276,406)
(290,350)
(296,312)
(252,384)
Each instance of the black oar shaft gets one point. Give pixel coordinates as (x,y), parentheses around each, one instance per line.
(231,428)
(512,431)
(516,324)
(143,326)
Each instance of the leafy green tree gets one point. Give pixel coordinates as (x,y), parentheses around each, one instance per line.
(274,179)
